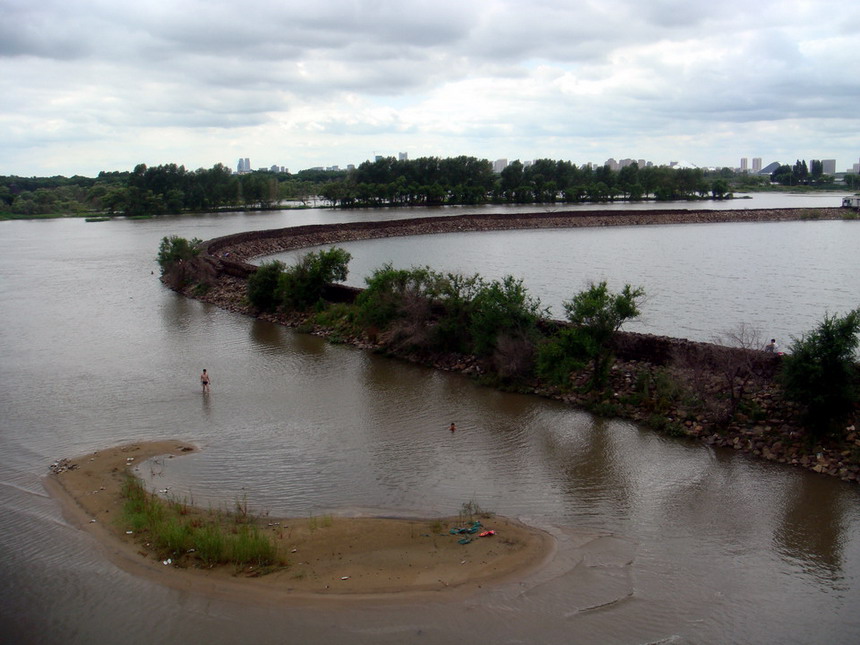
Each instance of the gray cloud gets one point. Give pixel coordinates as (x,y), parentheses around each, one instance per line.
(544,78)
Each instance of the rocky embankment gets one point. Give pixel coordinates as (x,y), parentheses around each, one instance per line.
(772,432)
(233,251)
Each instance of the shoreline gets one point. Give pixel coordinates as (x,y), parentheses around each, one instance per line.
(333,557)
(776,436)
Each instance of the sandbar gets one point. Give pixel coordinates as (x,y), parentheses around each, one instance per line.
(349,558)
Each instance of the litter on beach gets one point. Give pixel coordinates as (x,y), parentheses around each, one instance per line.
(466,530)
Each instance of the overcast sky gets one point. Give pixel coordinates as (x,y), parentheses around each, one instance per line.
(90,85)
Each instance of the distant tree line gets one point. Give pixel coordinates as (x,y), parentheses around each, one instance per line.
(427,181)
(431,181)
(801,174)
(158,190)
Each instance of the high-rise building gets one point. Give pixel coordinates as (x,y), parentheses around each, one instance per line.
(247,165)
(499,165)
(402,156)
(240,167)
(828,166)
(756,164)
(744,167)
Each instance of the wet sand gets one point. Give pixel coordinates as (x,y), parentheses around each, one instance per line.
(329,556)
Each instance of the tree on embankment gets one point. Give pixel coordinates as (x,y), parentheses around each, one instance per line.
(181,264)
(820,372)
(595,315)
(299,287)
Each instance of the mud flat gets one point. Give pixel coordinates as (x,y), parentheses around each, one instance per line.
(354,558)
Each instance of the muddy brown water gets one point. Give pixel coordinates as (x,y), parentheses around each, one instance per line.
(660,541)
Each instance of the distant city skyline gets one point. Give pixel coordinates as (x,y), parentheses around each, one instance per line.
(90,86)
(829,166)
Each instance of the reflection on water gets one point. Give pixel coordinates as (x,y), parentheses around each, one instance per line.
(207,406)
(811,531)
(658,540)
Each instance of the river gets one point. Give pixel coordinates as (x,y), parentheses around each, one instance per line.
(684,544)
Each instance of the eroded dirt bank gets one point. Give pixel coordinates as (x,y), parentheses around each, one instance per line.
(770,430)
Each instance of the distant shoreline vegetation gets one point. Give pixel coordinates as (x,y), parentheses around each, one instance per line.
(427,181)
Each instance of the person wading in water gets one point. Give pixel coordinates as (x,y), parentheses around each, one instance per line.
(204,381)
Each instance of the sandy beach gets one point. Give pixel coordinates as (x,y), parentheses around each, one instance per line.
(328,556)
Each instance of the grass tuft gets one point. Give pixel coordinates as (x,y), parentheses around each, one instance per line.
(189,537)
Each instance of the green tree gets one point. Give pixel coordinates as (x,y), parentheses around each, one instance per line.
(175,249)
(502,309)
(628,177)
(181,264)
(820,372)
(457,293)
(783,175)
(599,313)
(302,285)
(388,290)
(719,188)
(512,178)
(816,169)
(263,283)
(800,172)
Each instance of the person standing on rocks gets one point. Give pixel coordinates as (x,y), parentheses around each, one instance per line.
(204,381)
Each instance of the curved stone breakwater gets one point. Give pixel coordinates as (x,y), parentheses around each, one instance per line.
(232,251)
(774,432)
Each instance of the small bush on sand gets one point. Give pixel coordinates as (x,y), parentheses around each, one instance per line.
(174,531)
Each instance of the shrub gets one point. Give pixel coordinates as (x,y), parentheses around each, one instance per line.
(338,317)
(502,308)
(383,301)
(820,374)
(301,286)
(561,355)
(181,264)
(263,283)
(419,307)
(175,249)
(599,314)
(457,294)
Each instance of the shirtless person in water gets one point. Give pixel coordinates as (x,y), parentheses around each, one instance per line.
(204,381)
